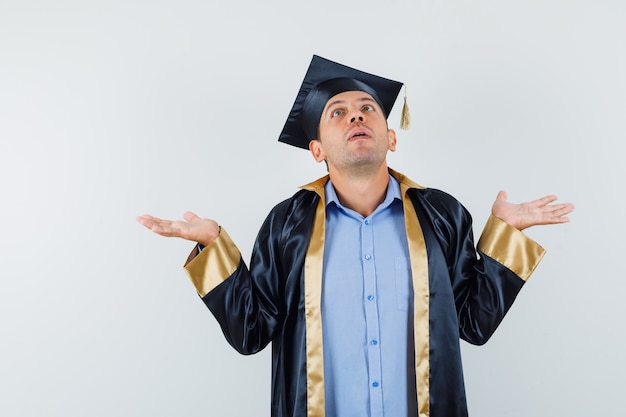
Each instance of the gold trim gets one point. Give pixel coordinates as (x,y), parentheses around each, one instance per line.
(510,247)
(214,264)
(403,179)
(317,185)
(421,298)
(313,267)
(313,295)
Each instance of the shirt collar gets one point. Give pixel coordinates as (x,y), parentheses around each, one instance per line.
(393,193)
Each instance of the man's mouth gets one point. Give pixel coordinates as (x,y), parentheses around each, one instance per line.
(359,134)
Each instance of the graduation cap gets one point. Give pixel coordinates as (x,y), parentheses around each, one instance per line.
(325,79)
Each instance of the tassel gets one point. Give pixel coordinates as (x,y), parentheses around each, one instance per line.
(405,119)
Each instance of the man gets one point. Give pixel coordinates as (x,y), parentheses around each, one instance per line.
(363,281)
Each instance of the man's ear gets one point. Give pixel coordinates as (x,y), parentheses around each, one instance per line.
(315,146)
(392,140)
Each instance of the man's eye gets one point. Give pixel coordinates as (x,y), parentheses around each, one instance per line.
(368,107)
(337,113)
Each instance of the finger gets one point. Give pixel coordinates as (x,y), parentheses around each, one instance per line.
(190,216)
(544,201)
(568,208)
(170,229)
(553,209)
(559,209)
(146,220)
(145,217)
(159,226)
(559,215)
(502,196)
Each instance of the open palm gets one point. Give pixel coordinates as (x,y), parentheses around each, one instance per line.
(532,213)
(194,228)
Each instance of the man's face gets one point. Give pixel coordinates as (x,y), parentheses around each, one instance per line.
(353,133)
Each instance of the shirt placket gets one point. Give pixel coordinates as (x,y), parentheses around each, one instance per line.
(371,319)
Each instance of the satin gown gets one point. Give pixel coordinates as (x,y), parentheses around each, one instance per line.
(460,292)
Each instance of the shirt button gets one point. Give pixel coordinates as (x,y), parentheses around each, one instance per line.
(374,342)
(368,257)
(366,222)
(370,297)
(375,384)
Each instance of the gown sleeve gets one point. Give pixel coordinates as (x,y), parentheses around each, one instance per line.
(486,286)
(245,302)
(484,279)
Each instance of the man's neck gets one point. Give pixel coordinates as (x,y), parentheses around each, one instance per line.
(361,193)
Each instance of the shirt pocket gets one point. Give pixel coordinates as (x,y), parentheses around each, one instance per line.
(404,286)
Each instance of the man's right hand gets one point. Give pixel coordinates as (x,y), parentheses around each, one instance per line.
(203,231)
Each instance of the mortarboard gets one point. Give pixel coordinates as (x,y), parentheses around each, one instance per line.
(325,79)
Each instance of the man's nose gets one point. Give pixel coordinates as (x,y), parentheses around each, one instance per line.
(354,119)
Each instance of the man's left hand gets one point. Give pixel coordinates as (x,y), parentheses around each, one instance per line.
(533,213)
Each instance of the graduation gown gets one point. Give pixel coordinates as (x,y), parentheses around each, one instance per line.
(458,293)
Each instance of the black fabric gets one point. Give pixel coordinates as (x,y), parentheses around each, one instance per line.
(469,297)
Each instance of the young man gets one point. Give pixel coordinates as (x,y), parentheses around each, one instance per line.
(364,281)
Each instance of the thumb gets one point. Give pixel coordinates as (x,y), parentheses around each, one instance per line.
(502,196)
(190,217)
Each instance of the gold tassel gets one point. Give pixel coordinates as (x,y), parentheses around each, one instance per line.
(405,119)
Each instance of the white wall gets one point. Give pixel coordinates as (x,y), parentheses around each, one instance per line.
(111,109)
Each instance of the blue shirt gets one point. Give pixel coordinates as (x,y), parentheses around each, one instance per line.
(367,300)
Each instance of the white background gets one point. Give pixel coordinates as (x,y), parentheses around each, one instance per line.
(111,109)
